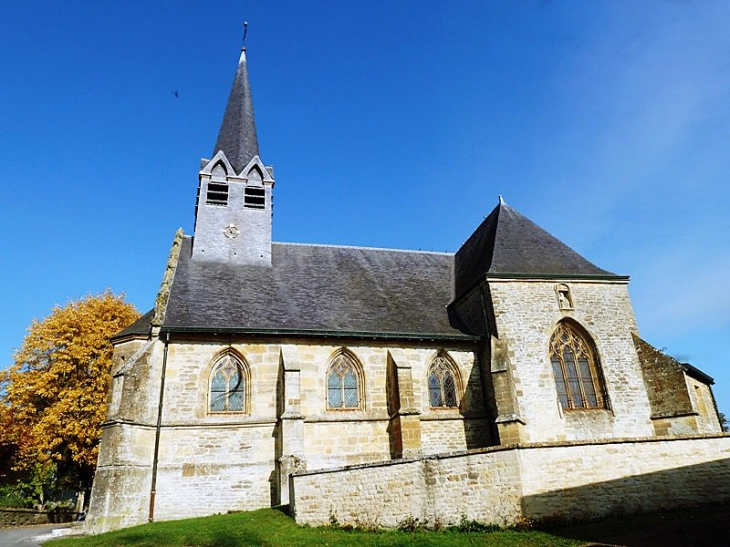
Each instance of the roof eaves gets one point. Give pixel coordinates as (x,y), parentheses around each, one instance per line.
(139,330)
(557,276)
(697,374)
(321,333)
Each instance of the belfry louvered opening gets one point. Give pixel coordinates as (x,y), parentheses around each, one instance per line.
(254,198)
(217,193)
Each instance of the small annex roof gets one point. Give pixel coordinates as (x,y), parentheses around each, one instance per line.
(317,289)
(237,137)
(141,327)
(508,244)
(697,374)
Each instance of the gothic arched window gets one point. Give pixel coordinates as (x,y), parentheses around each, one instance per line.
(442,384)
(343,384)
(577,372)
(228,386)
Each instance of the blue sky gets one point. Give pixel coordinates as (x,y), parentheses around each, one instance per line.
(390,124)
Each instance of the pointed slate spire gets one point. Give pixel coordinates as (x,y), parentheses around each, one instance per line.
(237,136)
(508,244)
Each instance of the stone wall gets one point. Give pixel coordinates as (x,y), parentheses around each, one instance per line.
(680,402)
(526,314)
(429,489)
(22,517)
(213,462)
(501,485)
(704,404)
(31,517)
(665,382)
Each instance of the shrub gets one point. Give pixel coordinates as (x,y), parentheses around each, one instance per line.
(410,524)
(467,525)
(12,496)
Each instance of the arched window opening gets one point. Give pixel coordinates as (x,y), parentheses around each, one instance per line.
(343,384)
(576,369)
(442,384)
(227,386)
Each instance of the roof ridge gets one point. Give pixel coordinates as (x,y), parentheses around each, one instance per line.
(388,249)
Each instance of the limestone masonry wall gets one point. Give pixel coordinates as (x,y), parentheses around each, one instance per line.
(501,485)
(526,314)
(214,462)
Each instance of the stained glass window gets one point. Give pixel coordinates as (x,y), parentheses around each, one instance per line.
(343,384)
(227,386)
(442,384)
(575,367)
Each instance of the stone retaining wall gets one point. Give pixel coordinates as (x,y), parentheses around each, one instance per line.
(22,517)
(502,485)
(27,517)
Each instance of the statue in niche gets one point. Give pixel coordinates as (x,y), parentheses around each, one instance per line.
(565,301)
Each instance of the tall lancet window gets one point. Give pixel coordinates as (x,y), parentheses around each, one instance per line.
(228,385)
(344,379)
(576,369)
(442,383)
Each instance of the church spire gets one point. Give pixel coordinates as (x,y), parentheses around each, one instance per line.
(237,136)
(233,210)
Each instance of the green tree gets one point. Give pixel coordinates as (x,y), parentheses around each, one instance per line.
(53,398)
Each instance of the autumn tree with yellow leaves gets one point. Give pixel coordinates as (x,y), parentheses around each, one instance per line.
(53,398)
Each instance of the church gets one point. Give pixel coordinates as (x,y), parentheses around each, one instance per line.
(340,379)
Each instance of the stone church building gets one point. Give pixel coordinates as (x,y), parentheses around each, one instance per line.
(275,373)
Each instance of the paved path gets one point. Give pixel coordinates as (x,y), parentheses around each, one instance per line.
(25,536)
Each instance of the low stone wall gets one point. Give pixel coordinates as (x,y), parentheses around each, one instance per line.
(28,517)
(22,517)
(502,485)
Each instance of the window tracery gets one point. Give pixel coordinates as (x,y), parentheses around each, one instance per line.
(343,384)
(442,384)
(228,386)
(576,369)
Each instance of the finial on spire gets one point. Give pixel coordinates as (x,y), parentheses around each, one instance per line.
(501,199)
(245,31)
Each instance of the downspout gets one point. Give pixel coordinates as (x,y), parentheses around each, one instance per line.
(153,488)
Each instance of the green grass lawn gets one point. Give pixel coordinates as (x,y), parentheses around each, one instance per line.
(271,528)
(703,526)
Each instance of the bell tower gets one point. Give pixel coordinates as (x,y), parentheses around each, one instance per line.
(233,210)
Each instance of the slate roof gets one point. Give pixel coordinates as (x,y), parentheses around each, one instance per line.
(237,136)
(141,327)
(509,244)
(317,289)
